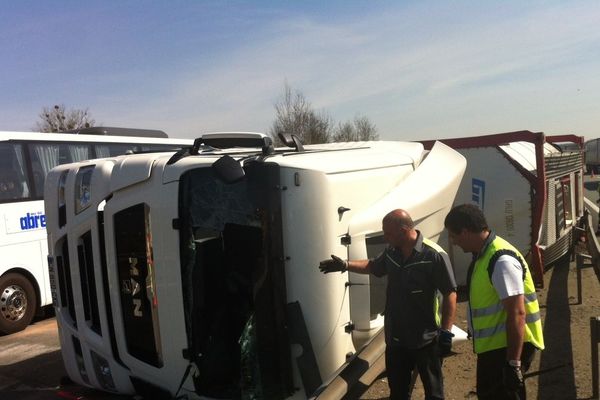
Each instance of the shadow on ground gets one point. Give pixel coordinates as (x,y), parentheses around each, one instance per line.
(34,378)
(557,337)
(40,378)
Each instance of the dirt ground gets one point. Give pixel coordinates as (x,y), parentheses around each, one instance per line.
(567,336)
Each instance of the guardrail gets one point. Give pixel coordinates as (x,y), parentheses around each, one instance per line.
(595,339)
(590,260)
(586,261)
(359,372)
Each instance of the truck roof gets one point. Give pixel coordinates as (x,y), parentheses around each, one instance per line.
(328,158)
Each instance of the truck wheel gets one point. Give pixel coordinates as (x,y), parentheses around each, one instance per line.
(17,303)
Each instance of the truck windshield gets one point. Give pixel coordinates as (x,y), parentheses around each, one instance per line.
(233,285)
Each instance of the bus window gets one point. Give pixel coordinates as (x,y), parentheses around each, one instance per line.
(159,147)
(117,149)
(13,184)
(78,152)
(113,149)
(45,156)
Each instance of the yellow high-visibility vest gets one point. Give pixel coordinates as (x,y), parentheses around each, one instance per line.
(488,317)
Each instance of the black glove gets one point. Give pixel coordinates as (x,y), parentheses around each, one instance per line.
(333,264)
(512,378)
(445,342)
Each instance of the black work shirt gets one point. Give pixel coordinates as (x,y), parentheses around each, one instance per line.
(412,289)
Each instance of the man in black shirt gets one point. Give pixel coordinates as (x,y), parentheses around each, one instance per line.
(417,269)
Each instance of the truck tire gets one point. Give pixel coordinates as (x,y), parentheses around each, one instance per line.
(17,303)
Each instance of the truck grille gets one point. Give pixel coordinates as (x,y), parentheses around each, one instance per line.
(88,282)
(63,269)
(136,280)
(106,289)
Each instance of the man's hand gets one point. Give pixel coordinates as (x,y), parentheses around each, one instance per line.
(333,264)
(445,342)
(512,378)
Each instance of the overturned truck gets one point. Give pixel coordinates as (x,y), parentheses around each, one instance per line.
(196,272)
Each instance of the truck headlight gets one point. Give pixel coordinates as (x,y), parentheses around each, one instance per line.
(83,188)
(103,373)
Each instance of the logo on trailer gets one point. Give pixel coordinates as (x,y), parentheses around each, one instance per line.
(478,192)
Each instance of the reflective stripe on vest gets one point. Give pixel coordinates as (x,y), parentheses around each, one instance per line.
(498,307)
(484,333)
(488,317)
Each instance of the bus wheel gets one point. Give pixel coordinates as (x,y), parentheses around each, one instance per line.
(17,303)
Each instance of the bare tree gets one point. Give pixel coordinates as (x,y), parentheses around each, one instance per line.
(294,114)
(365,129)
(344,132)
(361,129)
(60,119)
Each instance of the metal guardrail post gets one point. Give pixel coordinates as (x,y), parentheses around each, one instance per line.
(594,333)
(578,266)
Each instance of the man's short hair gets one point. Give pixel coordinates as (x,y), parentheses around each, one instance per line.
(466,216)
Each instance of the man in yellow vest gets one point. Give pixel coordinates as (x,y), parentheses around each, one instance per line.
(504,314)
(416,270)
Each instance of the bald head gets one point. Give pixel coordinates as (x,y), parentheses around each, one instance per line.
(398,229)
(399,219)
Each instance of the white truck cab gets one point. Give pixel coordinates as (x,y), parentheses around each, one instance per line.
(196,272)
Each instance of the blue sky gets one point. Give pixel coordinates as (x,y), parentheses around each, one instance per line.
(417,69)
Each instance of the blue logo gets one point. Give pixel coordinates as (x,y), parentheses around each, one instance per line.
(33,221)
(478,192)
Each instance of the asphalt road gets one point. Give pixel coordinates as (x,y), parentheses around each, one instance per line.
(30,362)
(31,367)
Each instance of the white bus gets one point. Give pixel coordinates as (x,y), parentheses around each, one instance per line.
(25,159)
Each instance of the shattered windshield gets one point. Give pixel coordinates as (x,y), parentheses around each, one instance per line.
(227,266)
